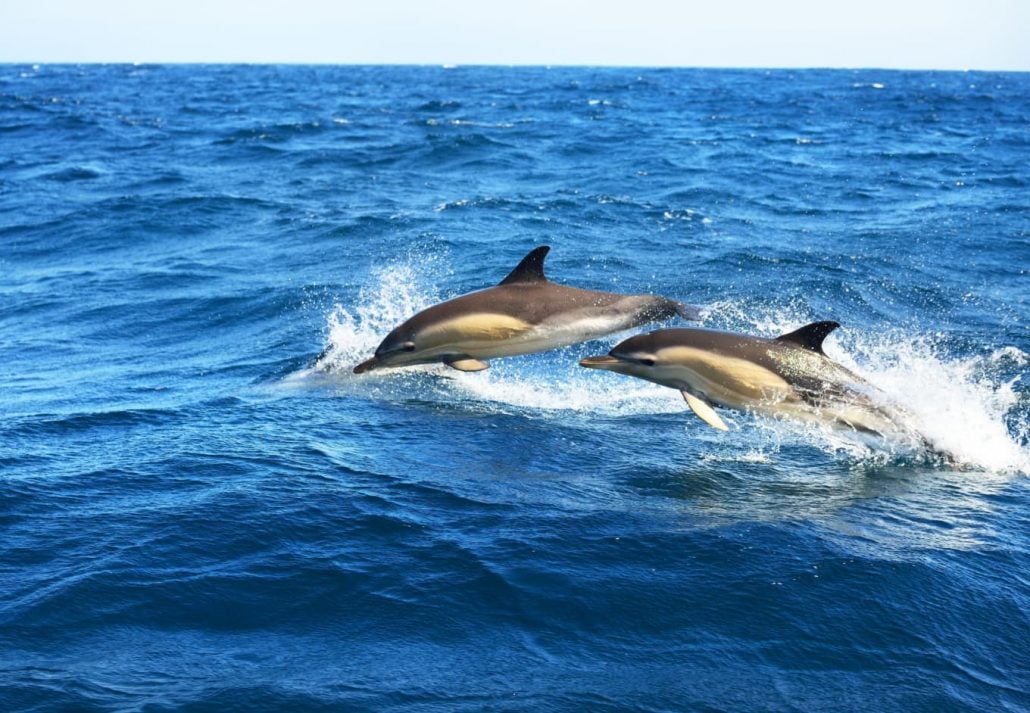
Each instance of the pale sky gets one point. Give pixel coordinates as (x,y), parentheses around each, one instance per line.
(931,34)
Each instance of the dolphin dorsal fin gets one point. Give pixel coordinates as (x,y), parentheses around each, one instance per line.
(531,269)
(810,336)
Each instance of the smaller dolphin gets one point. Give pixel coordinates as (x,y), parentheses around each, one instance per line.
(789,375)
(525,313)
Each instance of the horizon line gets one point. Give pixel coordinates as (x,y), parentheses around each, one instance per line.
(509,65)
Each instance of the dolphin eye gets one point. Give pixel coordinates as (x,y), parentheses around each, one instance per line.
(647,362)
(408,346)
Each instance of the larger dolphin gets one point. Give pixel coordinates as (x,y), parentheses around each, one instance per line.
(525,313)
(789,375)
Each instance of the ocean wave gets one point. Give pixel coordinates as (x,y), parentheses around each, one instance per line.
(74,173)
(189,496)
(274,133)
(87,421)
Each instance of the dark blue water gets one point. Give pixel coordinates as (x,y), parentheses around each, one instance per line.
(193,519)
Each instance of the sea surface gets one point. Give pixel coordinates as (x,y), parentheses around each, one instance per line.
(193,517)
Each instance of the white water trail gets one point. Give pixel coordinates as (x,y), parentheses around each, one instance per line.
(964,406)
(396,293)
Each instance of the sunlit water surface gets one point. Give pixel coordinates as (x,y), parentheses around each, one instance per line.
(192,517)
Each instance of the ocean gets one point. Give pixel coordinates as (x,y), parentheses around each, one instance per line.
(194,518)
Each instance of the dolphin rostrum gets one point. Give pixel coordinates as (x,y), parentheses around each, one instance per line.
(525,313)
(789,375)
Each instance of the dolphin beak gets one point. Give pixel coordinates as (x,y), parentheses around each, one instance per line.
(599,362)
(367,365)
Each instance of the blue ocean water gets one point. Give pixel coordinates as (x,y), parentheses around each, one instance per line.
(192,518)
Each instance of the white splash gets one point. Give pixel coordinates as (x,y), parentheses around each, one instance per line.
(961,405)
(964,406)
(396,292)
(570,389)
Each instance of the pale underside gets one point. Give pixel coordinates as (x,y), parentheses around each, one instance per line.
(726,381)
(744,385)
(490,335)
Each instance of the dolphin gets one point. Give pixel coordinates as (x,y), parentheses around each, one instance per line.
(525,313)
(789,375)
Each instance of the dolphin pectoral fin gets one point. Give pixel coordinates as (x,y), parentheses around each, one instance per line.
(702,408)
(466,364)
(858,427)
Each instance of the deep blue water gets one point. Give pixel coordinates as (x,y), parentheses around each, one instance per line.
(193,519)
